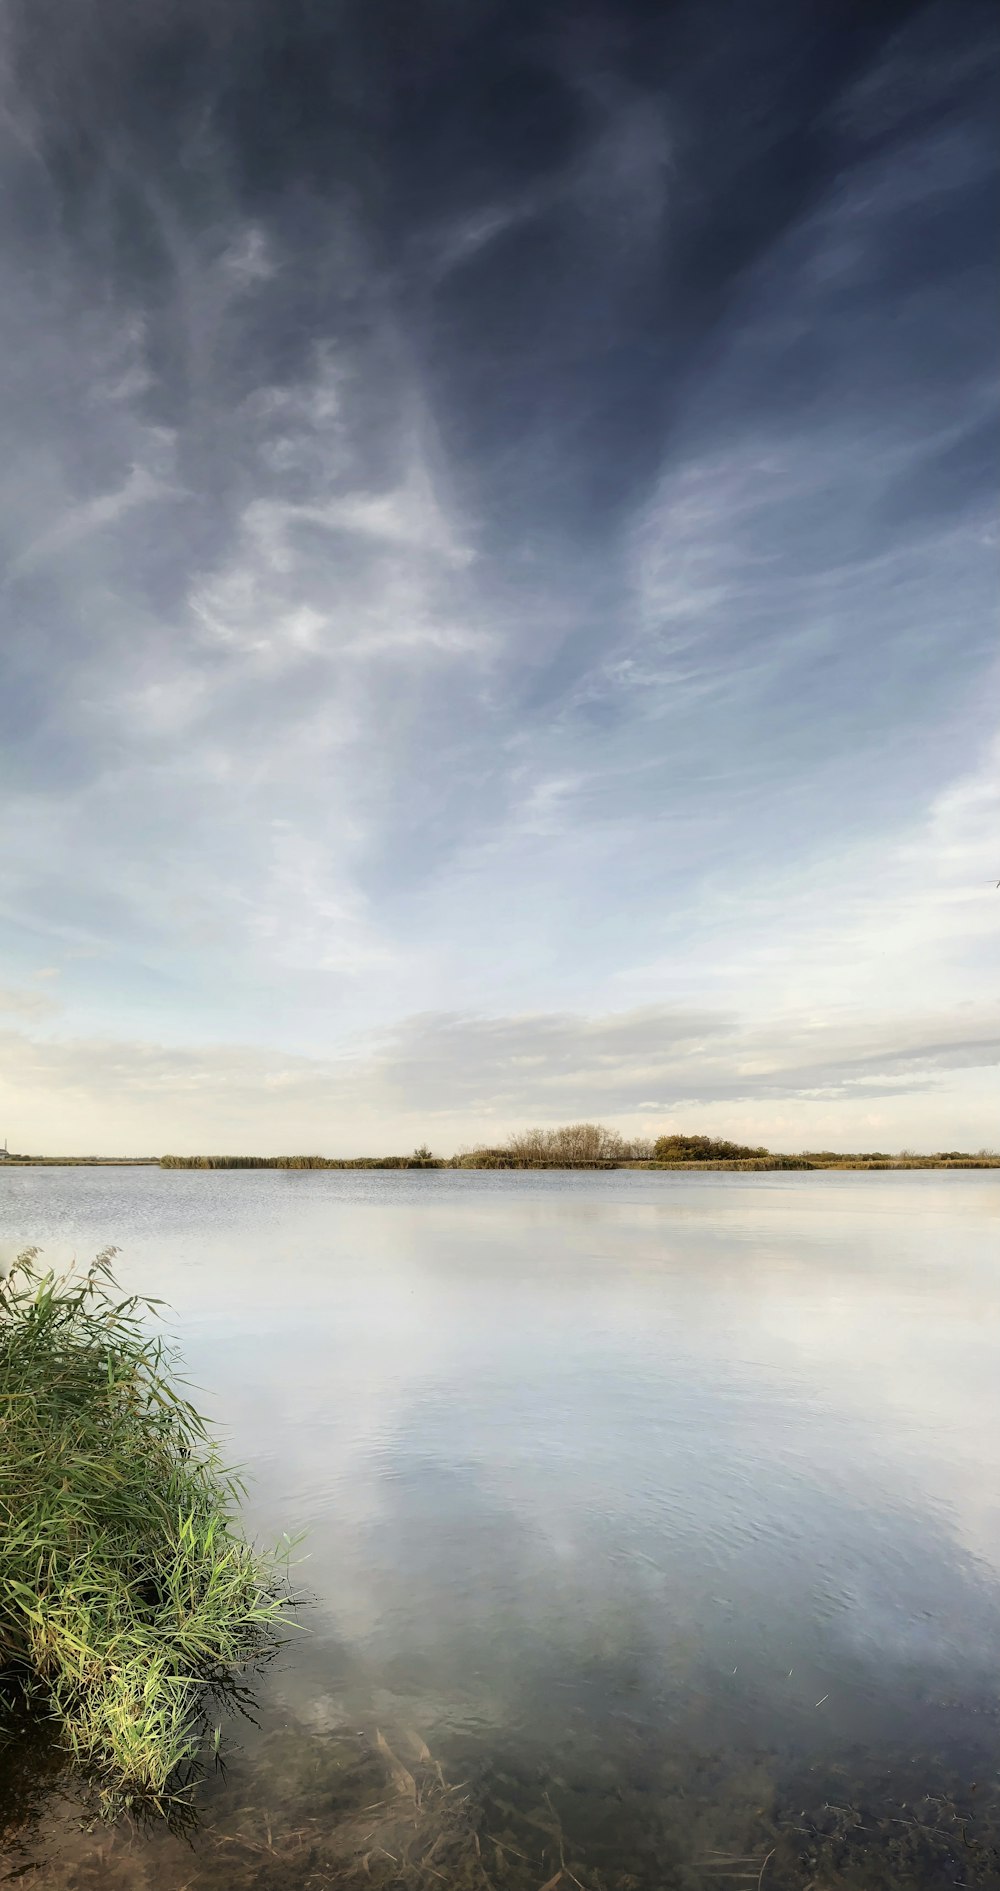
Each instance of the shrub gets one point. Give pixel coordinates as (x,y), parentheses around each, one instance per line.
(127,1593)
(675,1148)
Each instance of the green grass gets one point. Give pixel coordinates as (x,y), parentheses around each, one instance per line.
(129,1600)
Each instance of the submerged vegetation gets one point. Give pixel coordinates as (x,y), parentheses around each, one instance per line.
(128,1598)
(363,1809)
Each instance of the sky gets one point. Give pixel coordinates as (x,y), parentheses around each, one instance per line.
(498,616)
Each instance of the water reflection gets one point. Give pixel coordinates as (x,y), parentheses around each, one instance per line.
(665,1504)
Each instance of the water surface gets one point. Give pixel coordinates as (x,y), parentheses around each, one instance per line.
(653,1521)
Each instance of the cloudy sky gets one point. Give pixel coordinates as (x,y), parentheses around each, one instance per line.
(498,613)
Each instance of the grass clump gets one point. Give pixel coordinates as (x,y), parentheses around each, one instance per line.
(129,1599)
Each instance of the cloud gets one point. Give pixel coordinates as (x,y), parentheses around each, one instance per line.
(26,1004)
(562,1067)
(473,1078)
(247,258)
(141,488)
(352,574)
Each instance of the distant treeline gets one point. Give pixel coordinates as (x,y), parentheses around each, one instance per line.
(592,1146)
(78,1162)
(572,1146)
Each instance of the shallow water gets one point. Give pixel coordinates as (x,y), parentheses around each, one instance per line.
(653,1522)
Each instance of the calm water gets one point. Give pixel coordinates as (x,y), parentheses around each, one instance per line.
(662,1513)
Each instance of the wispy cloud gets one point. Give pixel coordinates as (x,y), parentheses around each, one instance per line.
(27,1004)
(141,487)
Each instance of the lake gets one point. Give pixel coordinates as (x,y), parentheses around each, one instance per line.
(653,1523)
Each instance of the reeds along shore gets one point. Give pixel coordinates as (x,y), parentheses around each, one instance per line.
(576,1146)
(128,1596)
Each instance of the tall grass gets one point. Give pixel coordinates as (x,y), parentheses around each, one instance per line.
(128,1596)
(419,1160)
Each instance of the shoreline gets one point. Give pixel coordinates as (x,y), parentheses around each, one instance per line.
(744,1165)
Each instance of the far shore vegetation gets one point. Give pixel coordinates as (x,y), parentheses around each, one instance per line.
(592,1146)
(130,1602)
(570,1146)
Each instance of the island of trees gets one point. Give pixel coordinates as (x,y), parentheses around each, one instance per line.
(593,1146)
